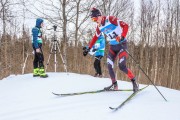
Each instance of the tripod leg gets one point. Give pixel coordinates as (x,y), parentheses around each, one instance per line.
(49,56)
(65,66)
(55,60)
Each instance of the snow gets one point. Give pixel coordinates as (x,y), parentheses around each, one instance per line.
(23,97)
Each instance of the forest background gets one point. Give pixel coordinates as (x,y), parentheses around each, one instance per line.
(153,37)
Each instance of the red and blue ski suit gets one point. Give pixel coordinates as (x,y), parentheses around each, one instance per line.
(113,27)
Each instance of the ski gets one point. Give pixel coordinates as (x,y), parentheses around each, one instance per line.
(89,92)
(128,99)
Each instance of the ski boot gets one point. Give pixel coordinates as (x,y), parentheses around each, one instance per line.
(114,86)
(96,75)
(36,72)
(135,85)
(42,73)
(100,76)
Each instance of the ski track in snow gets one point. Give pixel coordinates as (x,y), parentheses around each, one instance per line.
(23,97)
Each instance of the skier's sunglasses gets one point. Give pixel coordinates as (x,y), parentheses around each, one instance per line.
(94,19)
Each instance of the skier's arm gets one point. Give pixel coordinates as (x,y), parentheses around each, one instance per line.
(95,38)
(124,26)
(35,37)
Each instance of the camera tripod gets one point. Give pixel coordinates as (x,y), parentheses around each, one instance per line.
(54,50)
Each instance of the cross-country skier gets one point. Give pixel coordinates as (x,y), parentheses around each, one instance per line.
(116,31)
(98,48)
(37,47)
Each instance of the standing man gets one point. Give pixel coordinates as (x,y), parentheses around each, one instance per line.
(37,47)
(98,48)
(116,31)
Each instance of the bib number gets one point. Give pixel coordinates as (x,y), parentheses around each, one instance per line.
(113,35)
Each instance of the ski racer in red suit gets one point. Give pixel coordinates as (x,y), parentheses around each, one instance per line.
(116,31)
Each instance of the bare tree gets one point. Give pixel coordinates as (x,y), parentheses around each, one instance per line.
(4,5)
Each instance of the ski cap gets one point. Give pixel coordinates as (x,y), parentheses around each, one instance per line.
(95,12)
(38,22)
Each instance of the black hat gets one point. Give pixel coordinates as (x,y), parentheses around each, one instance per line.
(95,12)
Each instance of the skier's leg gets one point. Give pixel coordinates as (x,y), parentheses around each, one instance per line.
(35,65)
(41,58)
(128,72)
(99,66)
(96,66)
(36,62)
(110,64)
(41,64)
(122,61)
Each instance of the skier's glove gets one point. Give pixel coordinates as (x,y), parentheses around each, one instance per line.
(119,38)
(94,50)
(86,50)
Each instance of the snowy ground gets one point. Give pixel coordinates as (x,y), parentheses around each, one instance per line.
(23,97)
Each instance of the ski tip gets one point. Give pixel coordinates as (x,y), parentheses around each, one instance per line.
(113,108)
(55,94)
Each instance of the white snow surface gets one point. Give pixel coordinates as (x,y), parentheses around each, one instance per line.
(23,97)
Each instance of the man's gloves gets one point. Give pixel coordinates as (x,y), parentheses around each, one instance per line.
(94,50)
(86,50)
(119,38)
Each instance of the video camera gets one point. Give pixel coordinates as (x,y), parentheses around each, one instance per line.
(55,27)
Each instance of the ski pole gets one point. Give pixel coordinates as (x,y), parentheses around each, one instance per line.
(143,72)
